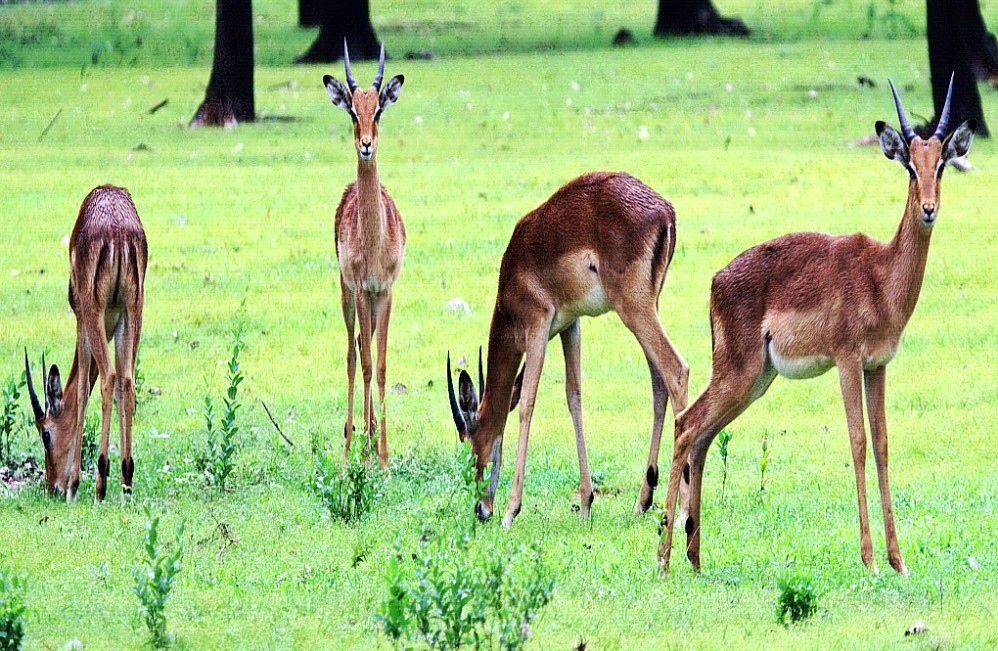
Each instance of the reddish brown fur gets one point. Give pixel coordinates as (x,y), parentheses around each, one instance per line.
(108,255)
(796,306)
(601,230)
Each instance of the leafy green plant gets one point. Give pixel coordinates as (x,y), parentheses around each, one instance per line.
(12,610)
(221,439)
(349,492)
(763,464)
(154,578)
(798,598)
(722,447)
(9,425)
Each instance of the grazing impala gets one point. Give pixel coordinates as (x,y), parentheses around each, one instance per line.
(370,243)
(107,269)
(803,303)
(602,242)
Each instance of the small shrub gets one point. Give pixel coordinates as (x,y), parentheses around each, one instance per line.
(12,610)
(763,464)
(798,598)
(222,439)
(349,492)
(722,447)
(154,579)
(11,422)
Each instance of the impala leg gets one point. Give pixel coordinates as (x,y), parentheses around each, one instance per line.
(875,381)
(669,371)
(366,325)
(75,460)
(384,314)
(571,342)
(536,344)
(127,342)
(851,382)
(102,358)
(349,318)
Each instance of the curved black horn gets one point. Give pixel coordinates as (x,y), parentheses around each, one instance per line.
(906,130)
(346,64)
(481,377)
(35,405)
(455,410)
(381,68)
(944,116)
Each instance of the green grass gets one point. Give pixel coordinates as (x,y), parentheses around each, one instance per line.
(476,140)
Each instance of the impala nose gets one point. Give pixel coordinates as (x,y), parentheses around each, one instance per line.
(483,512)
(928,212)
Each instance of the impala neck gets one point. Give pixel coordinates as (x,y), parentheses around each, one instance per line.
(908,252)
(370,205)
(503,361)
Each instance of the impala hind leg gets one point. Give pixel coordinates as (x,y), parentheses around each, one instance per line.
(536,345)
(875,381)
(96,339)
(349,318)
(126,348)
(383,315)
(851,383)
(571,342)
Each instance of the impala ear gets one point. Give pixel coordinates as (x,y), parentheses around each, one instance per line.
(517,387)
(466,394)
(892,144)
(958,143)
(53,391)
(390,93)
(338,93)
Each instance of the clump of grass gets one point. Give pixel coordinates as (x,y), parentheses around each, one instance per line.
(154,579)
(349,492)
(221,439)
(12,610)
(10,424)
(798,598)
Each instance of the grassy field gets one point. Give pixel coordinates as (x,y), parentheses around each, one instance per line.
(749,140)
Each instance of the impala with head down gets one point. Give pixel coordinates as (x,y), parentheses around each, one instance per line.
(107,269)
(602,242)
(370,243)
(800,304)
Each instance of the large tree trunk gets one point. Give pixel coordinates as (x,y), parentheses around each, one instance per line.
(310,12)
(350,19)
(229,97)
(686,17)
(959,44)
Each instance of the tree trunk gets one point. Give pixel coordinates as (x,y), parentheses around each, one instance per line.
(310,12)
(688,17)
(350,19)
(959,44)
(229,97)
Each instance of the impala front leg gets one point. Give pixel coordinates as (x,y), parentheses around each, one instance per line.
(350,319)
(383,315)
(851,382)
(875,381)
(364,317)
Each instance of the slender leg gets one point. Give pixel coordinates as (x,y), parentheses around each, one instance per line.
(875,383)
(384,314)
(97,340)
(85,359)
(536,344)
(349,317)
(668,369)
(124,356)
(127,461)
(851,382)
(571,342)
(366,330)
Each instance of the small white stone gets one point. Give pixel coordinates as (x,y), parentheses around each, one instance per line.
(643,132)
(812,94)
(238,148)
(458,305)
(14,272)
(729,87)
(972,562)
(576,87)
(751,132)
(418,119)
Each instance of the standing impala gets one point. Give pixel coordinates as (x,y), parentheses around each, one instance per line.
(800,304)
(370,243)
(107,269)
(602,242)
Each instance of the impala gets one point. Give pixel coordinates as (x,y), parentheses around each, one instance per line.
(602,242)
(107,268)
(800,304)
(370,243)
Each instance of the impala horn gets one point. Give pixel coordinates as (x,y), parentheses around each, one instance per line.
(351,82)
(45,383)
(906,130)
(381,68)
(35,405)
(944,116)
(455,410)
(481,377)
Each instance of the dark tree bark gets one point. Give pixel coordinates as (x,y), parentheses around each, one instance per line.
(229,97)
(350,19)
(959,44)
(310,12)
(688,17)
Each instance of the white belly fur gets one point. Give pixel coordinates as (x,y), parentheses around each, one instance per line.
(593,303)
(799,368)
